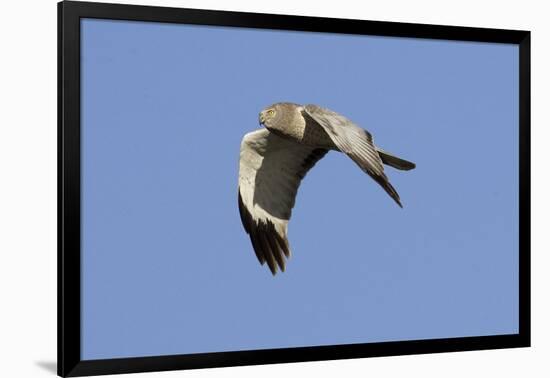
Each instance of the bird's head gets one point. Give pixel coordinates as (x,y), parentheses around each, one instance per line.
(268,115)
(276,116)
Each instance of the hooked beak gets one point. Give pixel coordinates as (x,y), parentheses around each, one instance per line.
(262,118)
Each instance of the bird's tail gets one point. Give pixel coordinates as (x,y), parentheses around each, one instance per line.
(394,161)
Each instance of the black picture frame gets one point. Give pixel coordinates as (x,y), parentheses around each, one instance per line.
(69,316)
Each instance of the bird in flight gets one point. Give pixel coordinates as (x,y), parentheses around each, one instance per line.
(275,159)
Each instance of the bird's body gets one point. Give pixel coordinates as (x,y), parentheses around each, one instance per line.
(274,160)
(303,130)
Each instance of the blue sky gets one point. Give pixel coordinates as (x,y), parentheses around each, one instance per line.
(166,265)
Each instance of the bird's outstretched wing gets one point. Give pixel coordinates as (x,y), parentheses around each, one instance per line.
(270,171)
(355,142)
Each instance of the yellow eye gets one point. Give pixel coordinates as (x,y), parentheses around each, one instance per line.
(271,112)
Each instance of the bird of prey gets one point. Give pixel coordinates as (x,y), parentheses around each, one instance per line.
(274,160)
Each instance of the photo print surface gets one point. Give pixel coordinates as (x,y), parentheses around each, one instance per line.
(167,266)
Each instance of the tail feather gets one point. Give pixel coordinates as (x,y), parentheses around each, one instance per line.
(394,161)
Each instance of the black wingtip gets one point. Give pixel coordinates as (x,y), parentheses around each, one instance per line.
(396,198)
(268,245)
(390,190)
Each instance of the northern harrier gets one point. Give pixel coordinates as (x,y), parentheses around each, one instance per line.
(274,160)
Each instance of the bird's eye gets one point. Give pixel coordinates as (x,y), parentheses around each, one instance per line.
(271,112)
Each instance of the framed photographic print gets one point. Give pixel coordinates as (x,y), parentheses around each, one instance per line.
(239,188)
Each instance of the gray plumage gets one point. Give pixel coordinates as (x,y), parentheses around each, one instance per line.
(274,160)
